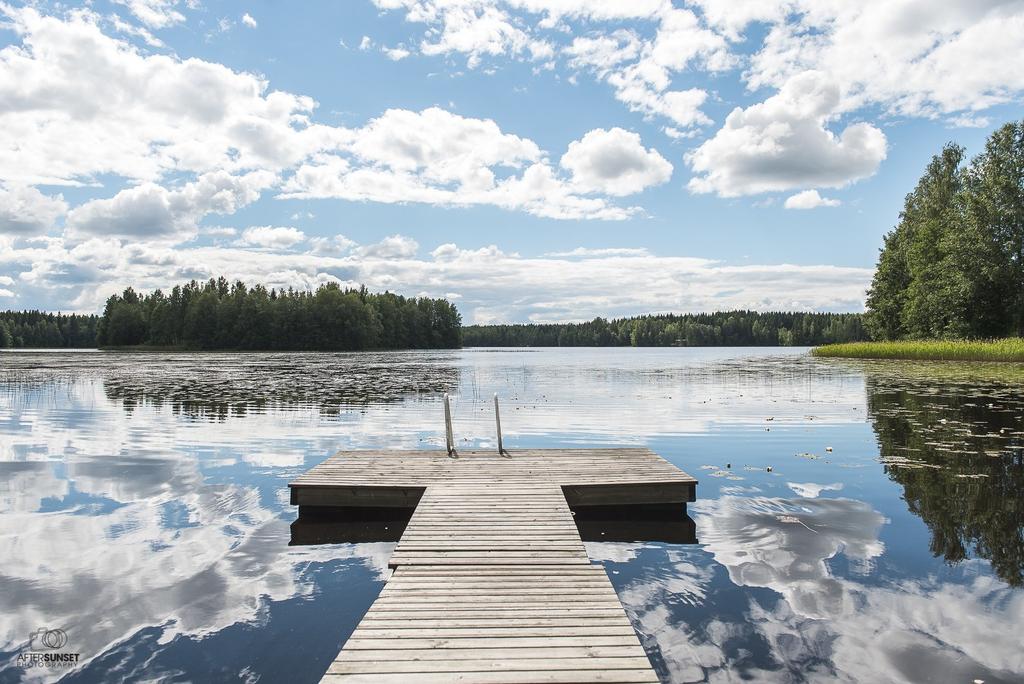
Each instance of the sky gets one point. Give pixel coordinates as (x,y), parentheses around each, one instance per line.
(531,160)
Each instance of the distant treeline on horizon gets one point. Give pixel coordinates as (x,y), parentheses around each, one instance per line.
(40,330)
(221,316)
(722,328)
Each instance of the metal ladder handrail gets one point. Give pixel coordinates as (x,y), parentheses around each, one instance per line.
(449,437)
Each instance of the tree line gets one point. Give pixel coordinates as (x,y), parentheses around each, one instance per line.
(722,328)
(36,329)
(222,315)
(953,267)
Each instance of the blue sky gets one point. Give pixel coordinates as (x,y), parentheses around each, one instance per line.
(531,159)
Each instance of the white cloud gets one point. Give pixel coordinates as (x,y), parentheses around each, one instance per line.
(332,246)
(395,54)
(437,157)
(218,231)
(969,121)
(783,143)
(639,69)
(130,29)
(478,30)
(81,104)
(391,247)
(26,211)
(602,252)
(912,57)
(277,237)
(614,162)
(809,199)
(249,21)
(155,14)
(153,212)
(366,43)
(603,52)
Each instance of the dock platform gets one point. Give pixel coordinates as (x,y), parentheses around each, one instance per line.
(492,582)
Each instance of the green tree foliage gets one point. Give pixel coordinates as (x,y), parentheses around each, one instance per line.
(954,265)
(723,328)
(222,315)
(38,330)
(6,339)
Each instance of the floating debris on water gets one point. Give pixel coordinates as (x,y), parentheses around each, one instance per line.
(902,462)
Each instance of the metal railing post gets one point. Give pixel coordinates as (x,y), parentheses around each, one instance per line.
(449,437)
(497,422)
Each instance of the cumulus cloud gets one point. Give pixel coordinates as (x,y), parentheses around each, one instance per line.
(278,237)
(639,69)
(249,21)
(641,72)
(809,199)
(391,247)
(117,111)
(784,143)
(152,211)
(603,52)
(81,103)
(436,157)
(26,211)
(332,246)
(395,54)
(614,162)
(911,57)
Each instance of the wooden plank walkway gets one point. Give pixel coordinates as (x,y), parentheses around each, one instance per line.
(492,580)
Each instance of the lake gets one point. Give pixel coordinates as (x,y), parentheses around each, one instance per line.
(855,521)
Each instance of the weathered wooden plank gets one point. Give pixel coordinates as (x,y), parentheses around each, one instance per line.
(493,632)
(490,665)
(490,642)
(493,652)
(527,677)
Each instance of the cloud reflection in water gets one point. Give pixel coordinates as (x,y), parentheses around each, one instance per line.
(825,616)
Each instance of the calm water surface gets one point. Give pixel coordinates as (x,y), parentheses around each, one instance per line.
(856,521)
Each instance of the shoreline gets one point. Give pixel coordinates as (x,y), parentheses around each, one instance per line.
(1007,350)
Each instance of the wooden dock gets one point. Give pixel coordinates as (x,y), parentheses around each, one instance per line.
(492,582)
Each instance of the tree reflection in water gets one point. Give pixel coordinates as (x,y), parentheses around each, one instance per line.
(957,449)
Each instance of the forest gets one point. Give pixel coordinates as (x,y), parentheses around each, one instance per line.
(223,315)
(36,329)
(953,267)
(723,328)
